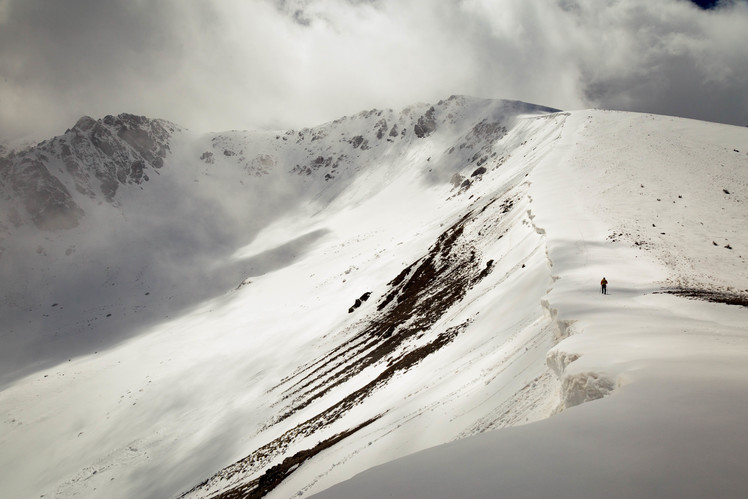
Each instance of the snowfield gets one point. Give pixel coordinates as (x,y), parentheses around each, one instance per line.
(369,310)
(641,200)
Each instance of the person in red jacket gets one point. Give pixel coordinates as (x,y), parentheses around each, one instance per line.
(604,286)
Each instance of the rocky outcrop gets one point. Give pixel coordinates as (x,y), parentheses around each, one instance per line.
(45,199)
(94,158)
(426,124)
(117,150)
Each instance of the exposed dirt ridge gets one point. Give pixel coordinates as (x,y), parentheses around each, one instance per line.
(393,339)
(259,487)
(726,296)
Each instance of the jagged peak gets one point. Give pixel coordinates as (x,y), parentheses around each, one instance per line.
(121,121)
(85,123)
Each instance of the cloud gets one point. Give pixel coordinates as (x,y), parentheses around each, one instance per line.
(670,58)
(291,63)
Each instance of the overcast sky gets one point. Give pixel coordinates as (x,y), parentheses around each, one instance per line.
(244,64)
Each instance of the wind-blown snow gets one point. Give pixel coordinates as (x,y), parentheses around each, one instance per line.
(220,393)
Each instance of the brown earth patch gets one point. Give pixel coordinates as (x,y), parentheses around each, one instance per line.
(728,297)
(273,476)
(393,339)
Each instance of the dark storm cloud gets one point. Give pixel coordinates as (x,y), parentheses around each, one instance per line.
(672,59)
(292,63)
(706,4)
(665,57)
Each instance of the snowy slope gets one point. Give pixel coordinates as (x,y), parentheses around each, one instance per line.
(334,298)
(654,204)
(147,242)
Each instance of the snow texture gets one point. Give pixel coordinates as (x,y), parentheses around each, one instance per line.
(394,304)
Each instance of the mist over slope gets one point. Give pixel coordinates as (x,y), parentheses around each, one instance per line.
(272,312)
(103,234)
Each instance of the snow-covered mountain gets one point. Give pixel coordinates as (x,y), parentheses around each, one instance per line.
(242,314)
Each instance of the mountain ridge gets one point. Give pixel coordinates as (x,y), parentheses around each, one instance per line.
(123,149)
(109,152)
(129,181)
(292,327)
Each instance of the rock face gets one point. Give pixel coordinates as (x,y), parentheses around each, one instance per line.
(117,150)
(44,197)
(49,185)
(426,124)
(94,158)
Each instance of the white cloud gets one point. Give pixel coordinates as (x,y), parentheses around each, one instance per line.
(293,63)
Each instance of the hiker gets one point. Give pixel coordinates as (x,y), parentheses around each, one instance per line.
(604,286)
